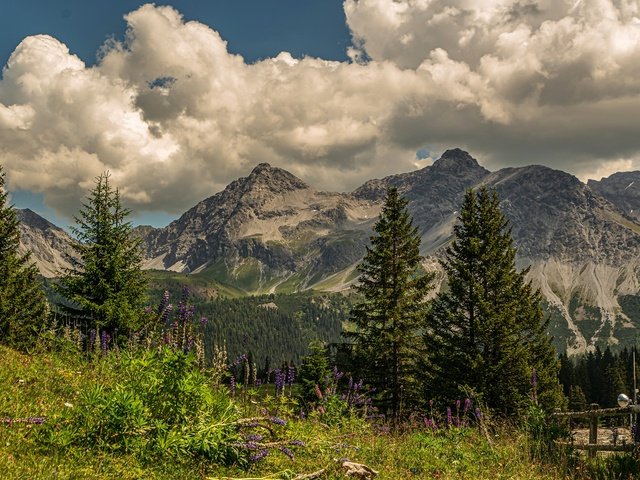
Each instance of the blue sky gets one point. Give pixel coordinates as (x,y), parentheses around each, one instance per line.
(253,28)
(335,91)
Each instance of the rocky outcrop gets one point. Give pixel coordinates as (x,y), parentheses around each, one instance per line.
(50,246)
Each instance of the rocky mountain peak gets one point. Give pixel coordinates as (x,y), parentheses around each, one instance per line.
(457,159)
(275,179)
(33,220)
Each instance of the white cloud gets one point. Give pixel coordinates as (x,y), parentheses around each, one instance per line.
(174,116)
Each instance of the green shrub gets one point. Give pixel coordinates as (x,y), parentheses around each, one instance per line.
(161,405)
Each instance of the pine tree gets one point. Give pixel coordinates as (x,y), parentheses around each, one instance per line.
(106,287)
(487,330)
(313,373)
(394,290)
(22,301)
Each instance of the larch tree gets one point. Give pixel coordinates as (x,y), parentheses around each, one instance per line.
(394,290)
(22,301)
(105,288)
(486,330)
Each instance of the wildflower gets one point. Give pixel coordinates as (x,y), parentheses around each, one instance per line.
(254,437)
(478,413)
(277,421)
(449,416)
(259,455)
(287,452)
(203,321)
(232,385)
(291,375)
(467,405)
(298,443)
(103,342)
(68,405)
(318,392)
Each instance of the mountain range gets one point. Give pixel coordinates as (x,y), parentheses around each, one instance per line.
(272,232)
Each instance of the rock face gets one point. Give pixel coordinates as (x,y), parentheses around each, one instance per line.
(49,245)
(270,231)
(622,189)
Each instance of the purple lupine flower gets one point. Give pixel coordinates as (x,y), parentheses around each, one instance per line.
(478,413)
(336,374)
(232,385)
(104,342)
(458,403)
(291,375)
(467,405)
(35,420)
(254,437)
(258,382)
(287,452)
(92,337)
(279,380)
(251,445)
(449,416)
(297,443)
(259,455)
(203,321)
(277,421)
(164,303)
(350,386)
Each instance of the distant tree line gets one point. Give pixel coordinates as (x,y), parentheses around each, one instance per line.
(597,377)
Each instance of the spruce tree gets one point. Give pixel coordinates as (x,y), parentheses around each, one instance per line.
(394,292)
(105,288)
(487,330)
(22,301)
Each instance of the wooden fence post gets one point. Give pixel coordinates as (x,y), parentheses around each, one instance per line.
(593,430)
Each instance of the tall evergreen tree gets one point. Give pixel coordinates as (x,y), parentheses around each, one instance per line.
(388,319)
(487,330)
(106,286)
(22,301)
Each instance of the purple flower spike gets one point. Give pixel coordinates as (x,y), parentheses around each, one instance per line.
(104,341)
(287,452)
(277,421)
(467,405)
(449,416)
(259,455)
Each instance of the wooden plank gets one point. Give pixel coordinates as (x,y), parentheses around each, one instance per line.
(602,412)
(627,447)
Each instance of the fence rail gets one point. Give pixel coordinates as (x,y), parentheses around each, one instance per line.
(593,414)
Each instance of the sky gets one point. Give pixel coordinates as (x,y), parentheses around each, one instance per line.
(178,100)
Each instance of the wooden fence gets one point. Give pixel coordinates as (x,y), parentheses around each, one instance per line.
(594,414)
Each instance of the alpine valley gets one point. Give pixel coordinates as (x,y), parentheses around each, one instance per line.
(270,233)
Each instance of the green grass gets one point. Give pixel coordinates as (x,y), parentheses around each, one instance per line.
(41,384)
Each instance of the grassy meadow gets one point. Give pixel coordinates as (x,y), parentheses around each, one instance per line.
(51,386)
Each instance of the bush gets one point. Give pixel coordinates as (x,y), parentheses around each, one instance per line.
(162,405)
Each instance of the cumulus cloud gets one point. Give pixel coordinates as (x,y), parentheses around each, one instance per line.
(174,116)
